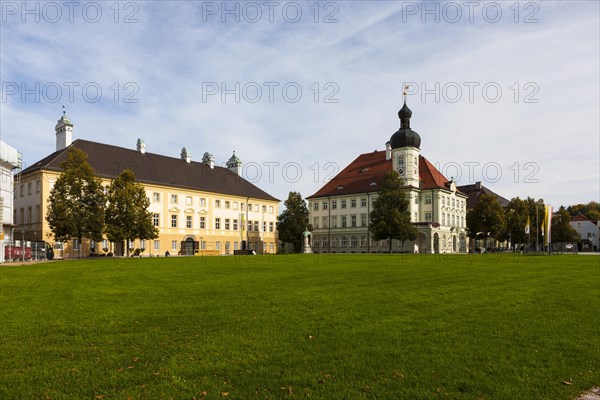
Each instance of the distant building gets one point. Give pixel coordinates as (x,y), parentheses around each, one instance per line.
(587,230)
(339,211)
(10,160)
(196,206)
(475,191)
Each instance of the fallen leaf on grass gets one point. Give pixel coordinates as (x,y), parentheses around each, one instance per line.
(568,382)
(224,394)
(100,396)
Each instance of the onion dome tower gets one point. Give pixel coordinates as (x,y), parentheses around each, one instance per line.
(406,147)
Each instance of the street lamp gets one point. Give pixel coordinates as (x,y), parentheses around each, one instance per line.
(23,244)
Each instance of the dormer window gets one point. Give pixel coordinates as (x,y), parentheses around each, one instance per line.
(365,169)
(340,188)
(373,184)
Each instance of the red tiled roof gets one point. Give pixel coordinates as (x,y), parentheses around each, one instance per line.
(429,175)
(579,217)
(369,168)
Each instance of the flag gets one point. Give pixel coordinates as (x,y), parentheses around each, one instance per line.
(549,211)
(528,226)
(543,224)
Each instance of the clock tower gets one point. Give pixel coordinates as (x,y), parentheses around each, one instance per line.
(405,145)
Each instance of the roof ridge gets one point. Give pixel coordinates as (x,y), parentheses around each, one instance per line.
(156,169)
(146,153)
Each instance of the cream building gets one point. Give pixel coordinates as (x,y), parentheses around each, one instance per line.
(198,207)
(339,211)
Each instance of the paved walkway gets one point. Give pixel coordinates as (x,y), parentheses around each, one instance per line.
(33,262)
(593,394)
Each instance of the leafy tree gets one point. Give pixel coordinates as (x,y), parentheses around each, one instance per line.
(562,231)
(127,215)
(390,217)
(76,202)
(486,219)
(593,215)
(293,221)
(591,210)
(516,214)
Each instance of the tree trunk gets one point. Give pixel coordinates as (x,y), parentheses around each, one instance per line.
(390,245)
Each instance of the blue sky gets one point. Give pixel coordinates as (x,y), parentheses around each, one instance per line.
(506,93)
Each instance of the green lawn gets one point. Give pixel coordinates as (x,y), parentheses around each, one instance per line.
(329,327)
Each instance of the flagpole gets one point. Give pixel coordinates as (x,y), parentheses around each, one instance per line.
(528,231)
(537,227)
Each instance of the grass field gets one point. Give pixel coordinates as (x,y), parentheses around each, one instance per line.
(337,327)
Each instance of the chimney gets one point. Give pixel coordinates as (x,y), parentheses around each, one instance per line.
(141,146)
(187,157)
(388,151)
(478,185)
(209,160)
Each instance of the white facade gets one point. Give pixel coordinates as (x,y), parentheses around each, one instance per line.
(587,230)
(340,223)
(9,160)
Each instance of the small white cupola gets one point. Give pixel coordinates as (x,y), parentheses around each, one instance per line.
(209,160)
(141,146)
(64,132)
(187,157)
(235,164)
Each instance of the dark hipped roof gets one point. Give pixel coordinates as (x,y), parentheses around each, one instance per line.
(109,161)
(366,173)
(474,192)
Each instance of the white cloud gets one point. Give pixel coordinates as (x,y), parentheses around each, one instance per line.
(171,52)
